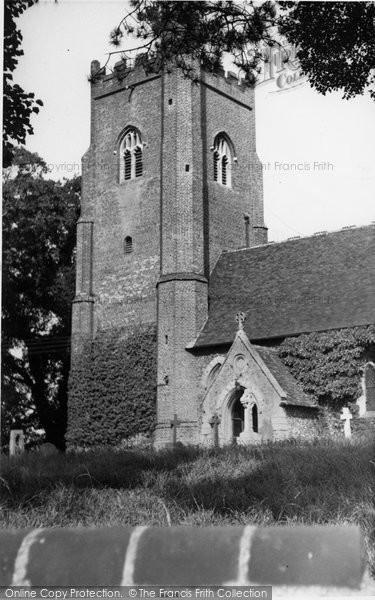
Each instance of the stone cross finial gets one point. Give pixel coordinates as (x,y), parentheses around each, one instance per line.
(240,318)
(346,416)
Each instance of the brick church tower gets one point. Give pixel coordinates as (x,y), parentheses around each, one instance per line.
(171,179)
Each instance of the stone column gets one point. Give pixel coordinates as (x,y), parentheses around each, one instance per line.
(248,400)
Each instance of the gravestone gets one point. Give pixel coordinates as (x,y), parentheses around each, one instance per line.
(16,442)
(48,449)
(174,424)
(215,422)
(346,416)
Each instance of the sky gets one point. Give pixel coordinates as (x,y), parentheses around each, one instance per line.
(317,151)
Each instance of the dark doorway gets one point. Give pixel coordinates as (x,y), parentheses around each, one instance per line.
(238,414)
(254,414)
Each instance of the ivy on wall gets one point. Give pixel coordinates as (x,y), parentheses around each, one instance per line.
(329,364)
(112,388)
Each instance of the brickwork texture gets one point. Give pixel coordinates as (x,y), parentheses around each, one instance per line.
(178,217)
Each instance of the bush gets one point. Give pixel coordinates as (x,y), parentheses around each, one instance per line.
(112,388)
(329,364)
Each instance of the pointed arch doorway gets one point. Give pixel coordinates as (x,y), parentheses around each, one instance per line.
(242,417)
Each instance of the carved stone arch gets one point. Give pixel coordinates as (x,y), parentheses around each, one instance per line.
(224,407)
(211,371)
(210,408)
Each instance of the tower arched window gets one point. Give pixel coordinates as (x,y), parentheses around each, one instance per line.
(222,161)
(128,244)
(131,155)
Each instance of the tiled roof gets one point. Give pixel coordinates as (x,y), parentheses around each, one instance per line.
(309,284)
(295,395)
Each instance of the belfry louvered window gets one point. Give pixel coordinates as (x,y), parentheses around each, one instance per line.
(127,164)
(138,161)
(131,156)
(222,161)
(128,244)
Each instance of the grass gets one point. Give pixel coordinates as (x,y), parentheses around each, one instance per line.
(278,483)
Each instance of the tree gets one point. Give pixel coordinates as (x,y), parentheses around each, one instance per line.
(39,218)
(336,40)
(336,43)
(173,32)
(18,105)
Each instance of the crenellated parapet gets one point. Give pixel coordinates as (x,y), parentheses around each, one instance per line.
(129,72)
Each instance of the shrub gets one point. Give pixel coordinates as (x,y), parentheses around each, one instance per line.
(329,364)
(112,388)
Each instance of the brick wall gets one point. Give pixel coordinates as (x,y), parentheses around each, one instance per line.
(200,218)
(116,291)
(178,217)
(230,108)
(123,286)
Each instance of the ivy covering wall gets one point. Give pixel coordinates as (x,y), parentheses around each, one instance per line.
(112,388)
(329,364)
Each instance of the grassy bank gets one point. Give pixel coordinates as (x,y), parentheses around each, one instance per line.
(280,483)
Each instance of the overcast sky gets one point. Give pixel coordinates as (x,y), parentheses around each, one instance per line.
(317,151)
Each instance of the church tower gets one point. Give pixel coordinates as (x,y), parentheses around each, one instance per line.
(171,179)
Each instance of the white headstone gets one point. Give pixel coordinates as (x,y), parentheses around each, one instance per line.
(346,416)
(16,442)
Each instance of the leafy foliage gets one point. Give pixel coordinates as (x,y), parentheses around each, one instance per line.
(174,32)
(39,218)
(18,105)
(336,43)
(329,365)
(336,39)
(113,388)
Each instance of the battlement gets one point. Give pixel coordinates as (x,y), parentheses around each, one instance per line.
(132,71)
(228,83)
(125,74)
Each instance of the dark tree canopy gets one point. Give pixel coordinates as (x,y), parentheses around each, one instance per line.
(174,32)
(39,217)
(336,40)
(18,105)
(336,43)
